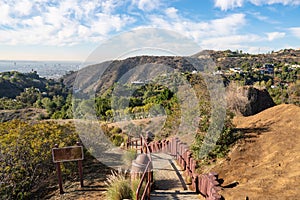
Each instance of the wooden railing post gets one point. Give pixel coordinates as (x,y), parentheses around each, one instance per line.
(195,183)
(188,163)
(58,169)
(141,140)
(149,181)
(80,170)
(147,174)
(177,148)
(128,142)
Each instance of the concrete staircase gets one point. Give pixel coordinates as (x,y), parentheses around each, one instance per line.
(169,182)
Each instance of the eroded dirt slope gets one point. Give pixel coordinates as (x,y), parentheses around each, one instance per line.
(266,165)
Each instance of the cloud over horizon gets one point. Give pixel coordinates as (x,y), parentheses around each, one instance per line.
(219,25)
(231,4)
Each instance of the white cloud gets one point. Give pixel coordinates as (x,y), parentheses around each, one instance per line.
(228,4)
(171,12)
(58,22)
(247,43)
(106,23)
(263,18)
(228,25)
(230,41)
(200,30)
(284,2)
(231,4)
(83,31)
(218,34)
(109,6)
(4,14)
(147,5)
(295,31)
(23,7)
(69,22)
(275,35)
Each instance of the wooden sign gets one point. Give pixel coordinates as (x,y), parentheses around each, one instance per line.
(71,153)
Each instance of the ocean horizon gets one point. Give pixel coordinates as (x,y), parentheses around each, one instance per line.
(47,69)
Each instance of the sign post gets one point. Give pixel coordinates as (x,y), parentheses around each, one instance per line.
(58,169)
(80,168)
(71,153)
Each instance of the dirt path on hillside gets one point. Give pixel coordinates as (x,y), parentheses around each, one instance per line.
(266,165)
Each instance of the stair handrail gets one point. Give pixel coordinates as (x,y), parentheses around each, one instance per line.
(147,172)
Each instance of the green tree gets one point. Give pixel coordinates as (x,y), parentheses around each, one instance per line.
(29,96)
(102,105)
(49,105)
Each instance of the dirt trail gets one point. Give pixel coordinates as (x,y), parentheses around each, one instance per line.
(266,165)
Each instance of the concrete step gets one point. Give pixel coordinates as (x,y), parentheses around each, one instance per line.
(174,194)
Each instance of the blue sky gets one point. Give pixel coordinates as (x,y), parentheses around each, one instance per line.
(72,29)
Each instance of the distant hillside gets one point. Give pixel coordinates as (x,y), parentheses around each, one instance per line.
(226,59)
(92,77)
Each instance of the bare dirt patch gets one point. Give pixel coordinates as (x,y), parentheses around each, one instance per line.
(22,114)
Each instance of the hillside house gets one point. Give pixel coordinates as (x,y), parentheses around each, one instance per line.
(236,70)
(219,72)
(138,82)
(267,69)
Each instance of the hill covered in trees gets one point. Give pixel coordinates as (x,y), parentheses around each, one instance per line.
(18,91)
(14,83)
(229,58)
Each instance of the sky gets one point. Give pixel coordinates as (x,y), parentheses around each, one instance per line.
(73,29)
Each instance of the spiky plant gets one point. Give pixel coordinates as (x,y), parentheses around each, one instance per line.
(118,187)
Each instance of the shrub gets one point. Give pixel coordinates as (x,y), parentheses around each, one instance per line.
(117,139)
(129,156)
(118,187)
(221,147)
(116,130)
(25,154)
(134,186)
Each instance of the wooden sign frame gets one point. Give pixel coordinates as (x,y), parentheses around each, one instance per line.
(66,154)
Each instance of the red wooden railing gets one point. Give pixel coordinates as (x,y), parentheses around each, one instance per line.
(132,143)
(205,184)
(147,174)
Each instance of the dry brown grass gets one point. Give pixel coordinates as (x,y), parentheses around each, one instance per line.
(266,164)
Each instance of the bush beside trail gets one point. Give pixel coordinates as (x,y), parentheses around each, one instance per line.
(26,158)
